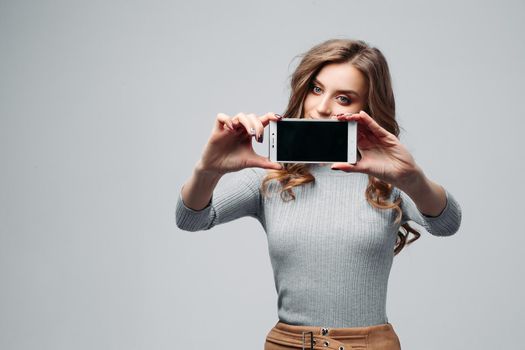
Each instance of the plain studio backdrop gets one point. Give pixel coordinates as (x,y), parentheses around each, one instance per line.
(106,106)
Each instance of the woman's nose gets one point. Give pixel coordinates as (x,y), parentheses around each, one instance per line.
(323,108)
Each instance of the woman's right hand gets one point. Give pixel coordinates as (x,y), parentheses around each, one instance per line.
(229,148)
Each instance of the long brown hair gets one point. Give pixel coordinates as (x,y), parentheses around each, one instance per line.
(380,105)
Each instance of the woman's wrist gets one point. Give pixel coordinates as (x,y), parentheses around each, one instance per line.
(198,191)
(202,174)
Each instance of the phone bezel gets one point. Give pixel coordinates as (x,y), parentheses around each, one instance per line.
(351,140)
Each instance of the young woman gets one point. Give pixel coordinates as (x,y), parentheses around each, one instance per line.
(332,230)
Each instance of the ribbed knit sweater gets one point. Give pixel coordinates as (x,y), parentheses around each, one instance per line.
(330,250)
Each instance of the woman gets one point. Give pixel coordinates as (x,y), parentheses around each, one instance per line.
(333,230)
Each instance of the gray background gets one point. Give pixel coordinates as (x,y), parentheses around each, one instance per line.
(106,106)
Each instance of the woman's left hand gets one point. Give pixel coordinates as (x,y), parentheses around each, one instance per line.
(382,155)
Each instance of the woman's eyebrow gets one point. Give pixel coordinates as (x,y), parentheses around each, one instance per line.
(338,91)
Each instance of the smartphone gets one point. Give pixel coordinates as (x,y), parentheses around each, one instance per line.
(294,140)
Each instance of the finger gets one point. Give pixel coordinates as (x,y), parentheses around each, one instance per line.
(364,119)
(224,120)
(247,123)
(364,135)
(228,126)
(262,162)
(359,167)
(265,119)
(259,128)
(236,123)
(373,125)
(259,122)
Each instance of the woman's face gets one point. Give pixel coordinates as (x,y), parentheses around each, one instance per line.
(337,88)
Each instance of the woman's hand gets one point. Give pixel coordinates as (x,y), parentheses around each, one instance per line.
(383,156)
(229,148)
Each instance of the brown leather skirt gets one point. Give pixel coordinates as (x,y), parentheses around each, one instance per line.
(378,337)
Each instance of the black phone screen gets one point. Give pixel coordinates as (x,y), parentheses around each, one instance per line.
(312,141)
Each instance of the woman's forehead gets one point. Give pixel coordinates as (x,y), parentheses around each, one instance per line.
(342,76)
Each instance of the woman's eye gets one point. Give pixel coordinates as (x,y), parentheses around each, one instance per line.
(317,90)
(316,87)
(345,100)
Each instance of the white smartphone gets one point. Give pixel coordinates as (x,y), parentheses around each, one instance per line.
(294,140)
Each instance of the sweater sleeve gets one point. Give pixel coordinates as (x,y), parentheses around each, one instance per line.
(446,223)
(236,195)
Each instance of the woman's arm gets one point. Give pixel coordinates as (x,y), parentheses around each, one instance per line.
(430,205)
(235,195)
(197,191)
(429,197)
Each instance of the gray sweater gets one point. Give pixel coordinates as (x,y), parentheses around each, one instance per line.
(330,250)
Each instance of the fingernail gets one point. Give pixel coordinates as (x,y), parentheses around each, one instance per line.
(279,116)
(260,138)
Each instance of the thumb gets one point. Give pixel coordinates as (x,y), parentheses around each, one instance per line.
(263,162)
(348,167)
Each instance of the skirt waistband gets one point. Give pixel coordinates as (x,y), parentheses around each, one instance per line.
(313,337)
(333,331)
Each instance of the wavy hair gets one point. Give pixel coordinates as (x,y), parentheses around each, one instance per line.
(380,105)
